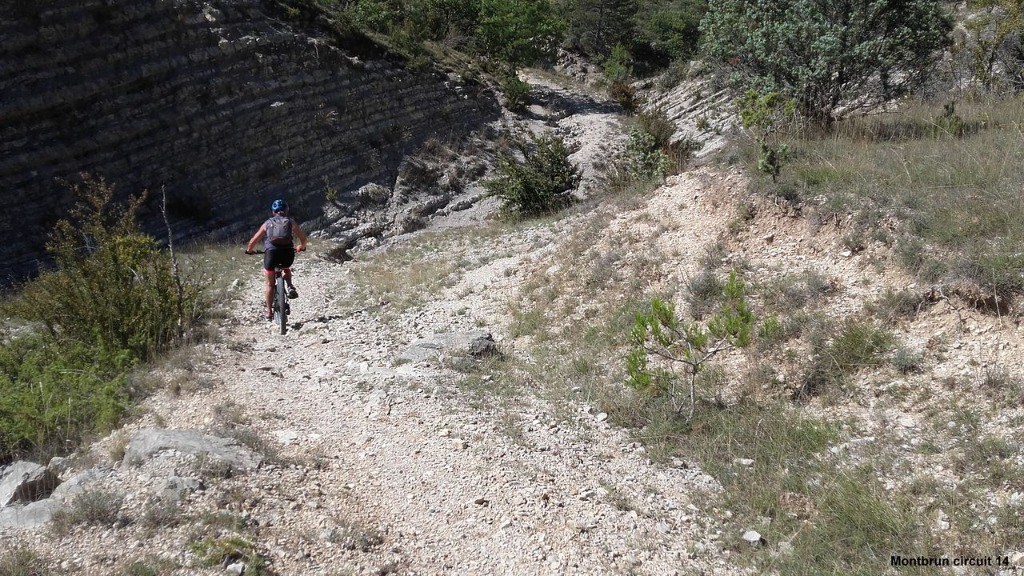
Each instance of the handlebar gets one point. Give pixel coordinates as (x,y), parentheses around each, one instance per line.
(254,252)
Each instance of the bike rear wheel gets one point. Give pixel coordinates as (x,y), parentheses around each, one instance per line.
(281,301)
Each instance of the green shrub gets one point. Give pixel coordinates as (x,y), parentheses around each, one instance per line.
(767,118)
(645,161)
(113,288)
(53,395)
(228,549)
(113,300)
(542,181)
(669,341)
(770,332)
(517,93)
(650,153)
(617,67)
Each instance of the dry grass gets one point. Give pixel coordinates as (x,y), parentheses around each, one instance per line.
(409,274)
(20,560)
(951,182)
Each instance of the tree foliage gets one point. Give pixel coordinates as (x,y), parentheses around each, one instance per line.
(453,21)
(992,38)
(518,32)
(832,56)
(595,27)
(667,30)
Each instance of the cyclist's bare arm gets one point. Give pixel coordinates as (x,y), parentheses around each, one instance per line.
(303,239)
(256,238)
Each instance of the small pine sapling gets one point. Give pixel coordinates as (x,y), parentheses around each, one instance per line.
(661,340)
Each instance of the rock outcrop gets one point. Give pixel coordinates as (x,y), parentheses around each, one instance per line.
(223,104)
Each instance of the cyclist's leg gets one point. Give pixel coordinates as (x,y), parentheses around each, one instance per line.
(268,294)
(268,285)
(287,259)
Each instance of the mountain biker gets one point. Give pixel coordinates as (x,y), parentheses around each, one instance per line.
(278,251)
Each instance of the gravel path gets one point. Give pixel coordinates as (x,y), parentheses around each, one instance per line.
(449,487)
(379,467)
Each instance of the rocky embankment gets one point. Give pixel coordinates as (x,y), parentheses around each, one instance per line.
(223,105)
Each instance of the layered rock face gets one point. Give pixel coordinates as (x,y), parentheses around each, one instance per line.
(223,104)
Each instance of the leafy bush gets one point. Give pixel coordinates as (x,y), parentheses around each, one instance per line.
(650,153)
(543,180)
(617,67)
(113,301)
(645,161)
(766,117)
(517,93)
(834,58)
(52,395)
(113,288)
(229,549)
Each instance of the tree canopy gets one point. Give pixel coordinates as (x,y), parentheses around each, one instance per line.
(518,32)
(832,56)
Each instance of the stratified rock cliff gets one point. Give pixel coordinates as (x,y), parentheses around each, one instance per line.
(224,104)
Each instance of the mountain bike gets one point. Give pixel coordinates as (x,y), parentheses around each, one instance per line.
(279,297)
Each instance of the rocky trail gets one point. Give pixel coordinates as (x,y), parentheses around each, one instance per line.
(392,432)
(355,446)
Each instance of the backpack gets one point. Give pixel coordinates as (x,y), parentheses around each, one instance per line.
(279,231)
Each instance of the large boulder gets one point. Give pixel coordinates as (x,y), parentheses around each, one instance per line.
(32,515)
(150,441)
(473,344)
(25,482)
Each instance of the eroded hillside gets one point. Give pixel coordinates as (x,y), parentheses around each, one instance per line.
(223,105)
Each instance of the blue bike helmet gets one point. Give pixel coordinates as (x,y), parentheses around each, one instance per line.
(279,206)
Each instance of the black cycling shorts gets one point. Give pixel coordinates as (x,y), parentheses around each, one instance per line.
(275,257)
